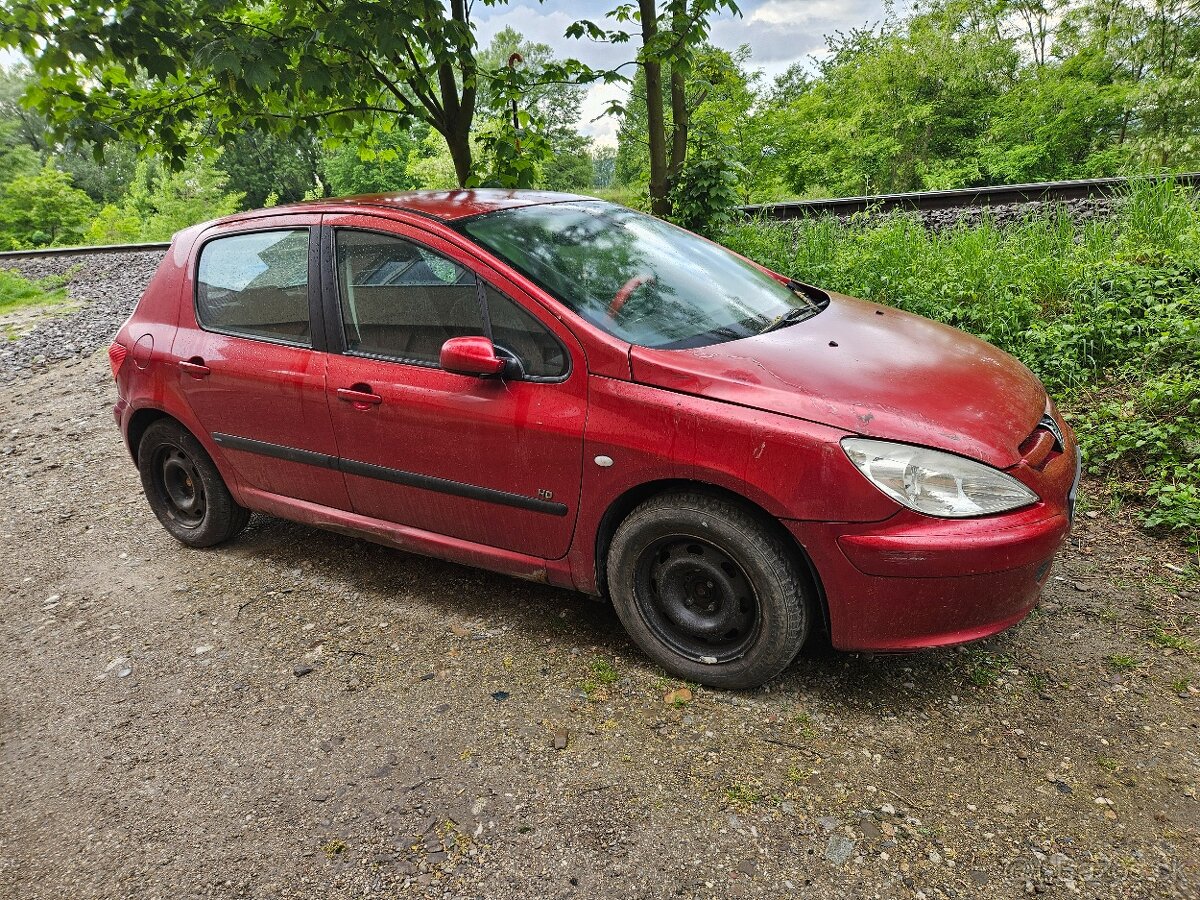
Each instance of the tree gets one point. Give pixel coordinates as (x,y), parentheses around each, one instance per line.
(571,167)
(669,37)
(161,201)
(151,71)
(42,208)
(376,163)
(604,164)
(259,165)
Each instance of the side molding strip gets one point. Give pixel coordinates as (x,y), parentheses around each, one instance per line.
(395,476)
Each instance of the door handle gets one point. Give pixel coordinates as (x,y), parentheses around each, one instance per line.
(360,395)
(194,367)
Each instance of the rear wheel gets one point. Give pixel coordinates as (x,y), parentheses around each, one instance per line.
(708,590)
(184,488)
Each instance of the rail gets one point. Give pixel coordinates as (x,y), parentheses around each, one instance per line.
(998,195)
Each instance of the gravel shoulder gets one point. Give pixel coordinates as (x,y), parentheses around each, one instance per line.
(300,714)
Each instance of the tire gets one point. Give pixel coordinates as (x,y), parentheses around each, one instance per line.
(184,488)
(708,590)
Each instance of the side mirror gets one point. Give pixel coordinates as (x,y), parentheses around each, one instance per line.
(472,355)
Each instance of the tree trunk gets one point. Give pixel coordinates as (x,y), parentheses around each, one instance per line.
(656,126)
(459,109)
(458,139)
(679,120)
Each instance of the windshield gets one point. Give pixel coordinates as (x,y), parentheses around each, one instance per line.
(637,277)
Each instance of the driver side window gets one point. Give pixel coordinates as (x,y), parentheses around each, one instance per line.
(403,301)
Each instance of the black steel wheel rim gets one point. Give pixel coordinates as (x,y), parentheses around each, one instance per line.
(180,486)
(697,599)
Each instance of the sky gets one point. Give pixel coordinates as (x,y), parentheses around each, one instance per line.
(779,33)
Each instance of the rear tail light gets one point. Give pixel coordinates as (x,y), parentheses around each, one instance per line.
(116,358)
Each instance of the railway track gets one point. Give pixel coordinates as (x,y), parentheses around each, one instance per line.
(959,198)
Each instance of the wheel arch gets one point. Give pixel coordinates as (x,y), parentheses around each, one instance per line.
(139,422)
(624,504)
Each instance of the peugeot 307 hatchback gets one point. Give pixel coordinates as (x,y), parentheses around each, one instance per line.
(568,391)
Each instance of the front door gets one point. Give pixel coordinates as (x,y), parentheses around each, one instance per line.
(495,461)
(248,365)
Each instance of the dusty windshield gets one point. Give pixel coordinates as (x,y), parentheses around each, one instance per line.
(637,277)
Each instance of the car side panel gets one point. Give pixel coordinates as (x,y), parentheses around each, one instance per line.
(258,391)
(791,469)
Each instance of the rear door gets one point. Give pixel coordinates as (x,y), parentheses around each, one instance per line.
(494,461)
(251,357)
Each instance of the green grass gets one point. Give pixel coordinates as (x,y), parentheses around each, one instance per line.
(1123,662)
(16,291)
(604,671)
(1173,641)
(1106,313)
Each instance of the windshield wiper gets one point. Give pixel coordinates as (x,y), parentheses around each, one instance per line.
(791,317)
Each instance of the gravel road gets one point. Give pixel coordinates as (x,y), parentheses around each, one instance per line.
(303,715)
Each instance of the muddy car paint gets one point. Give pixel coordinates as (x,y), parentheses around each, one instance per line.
(759,418)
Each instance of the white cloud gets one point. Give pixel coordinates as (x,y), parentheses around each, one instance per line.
(779,33)
(788,31)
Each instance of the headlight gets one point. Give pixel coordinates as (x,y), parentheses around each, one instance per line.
(934,483)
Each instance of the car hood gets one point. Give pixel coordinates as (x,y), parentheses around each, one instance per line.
(872,370)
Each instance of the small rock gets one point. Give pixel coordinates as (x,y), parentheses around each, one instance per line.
(560,739)
(677,697)
(839,849)
(1080,586)
(500,695)
(828,823)
(887,809)
(301,669)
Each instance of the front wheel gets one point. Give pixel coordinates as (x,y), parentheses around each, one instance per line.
(708,590)
(184,488)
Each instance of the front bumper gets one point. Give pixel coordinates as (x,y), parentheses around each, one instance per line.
(912,581)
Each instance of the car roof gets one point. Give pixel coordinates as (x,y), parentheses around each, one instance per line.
(445,206)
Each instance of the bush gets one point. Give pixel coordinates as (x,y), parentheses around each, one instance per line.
(41,208)
(1106,313)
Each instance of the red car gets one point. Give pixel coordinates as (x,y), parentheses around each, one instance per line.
(567,391)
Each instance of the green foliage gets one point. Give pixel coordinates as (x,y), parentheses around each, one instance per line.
(42,208)
(258,165)
(377,162)
(18,291)
(161,202)
(1107,314)
(153,72)
(705,195)
(513,153)
(571,166)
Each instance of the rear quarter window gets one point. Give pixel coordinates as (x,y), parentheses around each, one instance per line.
(256,285)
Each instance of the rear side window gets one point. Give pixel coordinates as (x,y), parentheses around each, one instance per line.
(256,285)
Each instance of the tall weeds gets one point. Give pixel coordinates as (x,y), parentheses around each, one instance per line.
(1107,314)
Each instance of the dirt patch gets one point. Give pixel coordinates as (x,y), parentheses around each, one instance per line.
(300,714)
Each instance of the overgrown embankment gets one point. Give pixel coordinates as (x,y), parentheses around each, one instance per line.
(1106,312)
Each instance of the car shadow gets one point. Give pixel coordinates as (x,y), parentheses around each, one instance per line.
(875,684)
